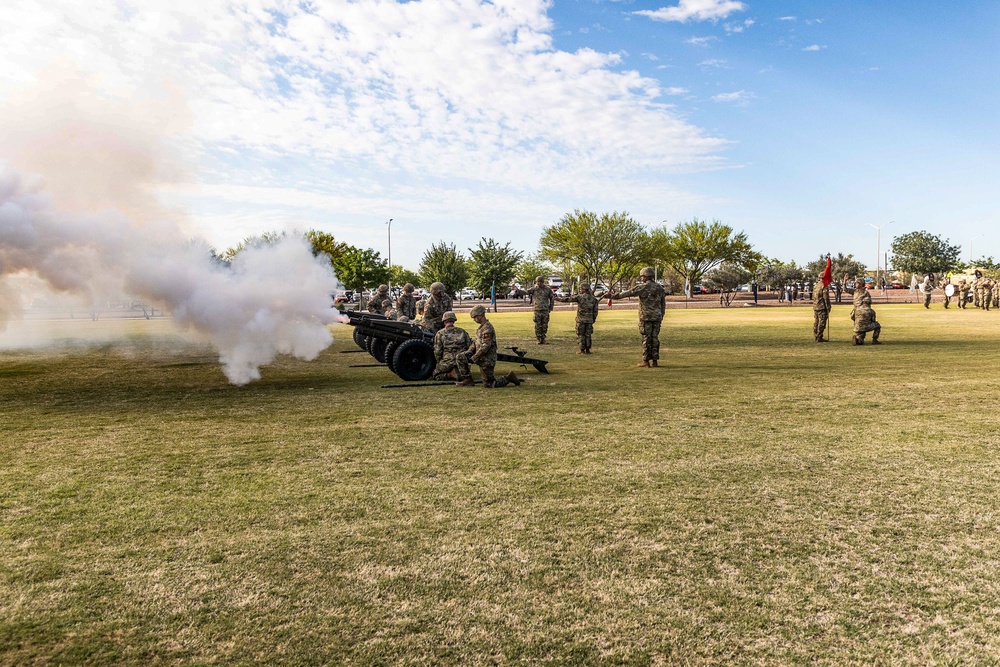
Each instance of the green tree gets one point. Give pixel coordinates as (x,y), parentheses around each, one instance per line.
(774,273)
(610,241)
(922,253)
(359,269)
(727,277)
(840,266)
(492,264)
(259,241)
(400,276)
(694,248)
(530,268)
(443,263)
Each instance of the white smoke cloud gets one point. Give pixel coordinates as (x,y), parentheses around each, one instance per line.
(272,299)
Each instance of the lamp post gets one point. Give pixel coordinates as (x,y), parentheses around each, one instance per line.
(388,231)
(878,247)
(970,245)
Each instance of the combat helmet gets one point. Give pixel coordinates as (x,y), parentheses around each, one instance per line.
(408,288)
(539,280)
(383,288)
(647,272)
(477,311)
(584,287)
(437,288)
(449,315)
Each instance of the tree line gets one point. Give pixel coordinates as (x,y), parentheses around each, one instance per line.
(609,249)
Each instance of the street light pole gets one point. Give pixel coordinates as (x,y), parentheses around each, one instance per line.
(388,231)
(970,245)
(878,247)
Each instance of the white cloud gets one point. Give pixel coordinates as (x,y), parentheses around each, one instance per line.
(786,18)
(696,10)
(740,97)
(344,109)
(713,63)
(674,90)
(733,28)
(702,41)
(814,47)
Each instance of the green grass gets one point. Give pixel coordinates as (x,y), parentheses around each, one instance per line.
(759,499)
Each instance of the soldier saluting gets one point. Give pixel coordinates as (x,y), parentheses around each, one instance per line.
(543,301)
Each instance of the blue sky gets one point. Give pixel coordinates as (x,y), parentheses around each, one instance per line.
(801,123)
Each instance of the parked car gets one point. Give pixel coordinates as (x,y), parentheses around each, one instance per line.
(466,293)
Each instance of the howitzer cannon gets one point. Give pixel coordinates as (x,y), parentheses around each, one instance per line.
(408,349)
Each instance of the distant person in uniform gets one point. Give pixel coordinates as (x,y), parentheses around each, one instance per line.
(542,303)
(437,305)
(864,316)
(652,306)
(927,289)
(945,284)
(586,315)
(821,311)
(963,293)
(406,304)
(380,301)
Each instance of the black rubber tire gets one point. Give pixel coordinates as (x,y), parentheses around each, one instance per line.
(390,351)
(359,339)
(377,349)
(414,360)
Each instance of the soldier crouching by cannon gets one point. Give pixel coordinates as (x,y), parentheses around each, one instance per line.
(451,347)
(483,353)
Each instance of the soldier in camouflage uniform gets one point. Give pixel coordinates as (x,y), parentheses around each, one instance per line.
(927,289)
(864,316)
(977,290)
(483,352)
(652,305)
(437,305)
(963,293)
(821,311)
(543,300)
(380,301)
(406,304)
(987,294)
(944,286)
(586,315)
(451,345)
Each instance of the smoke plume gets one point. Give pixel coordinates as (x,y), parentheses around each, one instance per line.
(270,300)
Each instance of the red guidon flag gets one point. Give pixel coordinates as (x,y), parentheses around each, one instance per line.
(827,273)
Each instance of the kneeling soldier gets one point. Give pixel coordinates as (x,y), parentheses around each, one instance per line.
(450,346)
(483,352)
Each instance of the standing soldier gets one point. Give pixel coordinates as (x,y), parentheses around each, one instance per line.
(963,293)
(864,316)
(987,298)
(838,291)
(927,288)
(437,305)
(406,304)
(821,311)
(483,352)
(450,346)
(977,290)
(652,305)
(586,315)
(945,284)
(542,301)
(380,301)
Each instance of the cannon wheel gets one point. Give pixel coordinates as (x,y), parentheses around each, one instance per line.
(378,349)
(390,353)
(413,360)
(359,339)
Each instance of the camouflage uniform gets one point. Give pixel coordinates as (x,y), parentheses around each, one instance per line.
(652,305)
(434,309)
(987,297)
(944,286)
(380,301)
(586,315)
(406,304)
(927,289)
(821,311)
(977,292)
(543,300)
(963,293)
(864,318)
(483,353)
(450,347)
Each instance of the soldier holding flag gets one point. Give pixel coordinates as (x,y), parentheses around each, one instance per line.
(821,304)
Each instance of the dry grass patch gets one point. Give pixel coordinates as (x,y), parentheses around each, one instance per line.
(759,499)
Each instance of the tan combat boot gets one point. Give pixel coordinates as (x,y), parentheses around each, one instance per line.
(513,379)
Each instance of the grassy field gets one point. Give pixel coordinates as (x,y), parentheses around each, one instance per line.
(759,499)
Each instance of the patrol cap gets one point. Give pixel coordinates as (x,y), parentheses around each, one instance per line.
(477,311)
(449,315)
